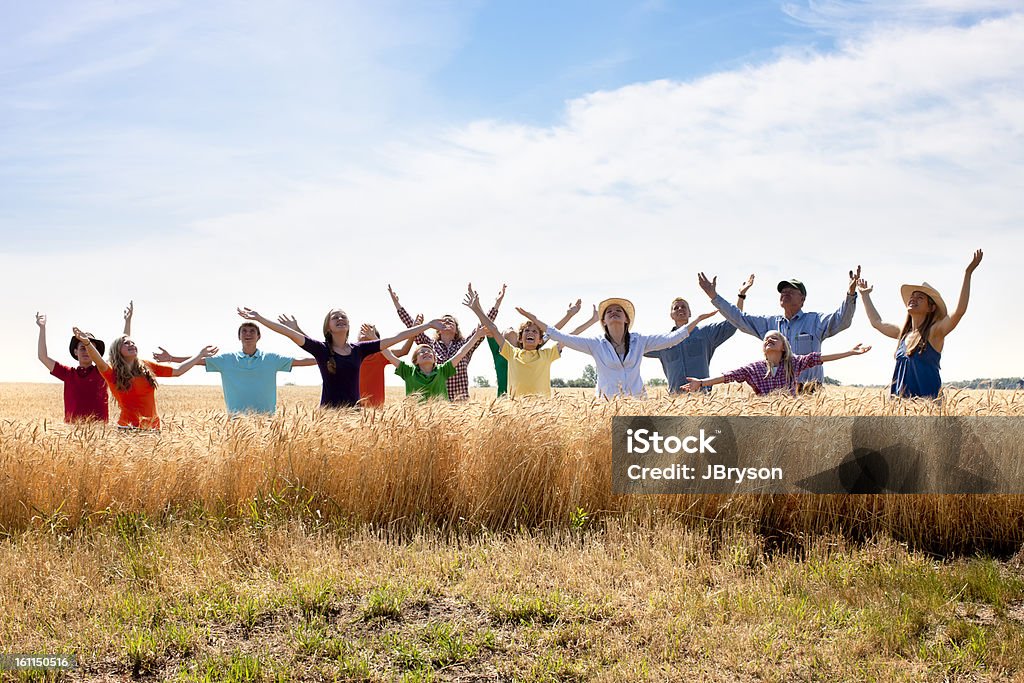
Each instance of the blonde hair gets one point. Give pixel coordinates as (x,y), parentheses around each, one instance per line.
(125,372)
(416,353)
(786,362)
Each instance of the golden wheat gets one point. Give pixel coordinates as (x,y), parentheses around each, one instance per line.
(494,464)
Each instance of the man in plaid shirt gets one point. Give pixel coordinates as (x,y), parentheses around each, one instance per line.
(447,344)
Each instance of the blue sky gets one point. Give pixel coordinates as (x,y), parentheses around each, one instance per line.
(299,156)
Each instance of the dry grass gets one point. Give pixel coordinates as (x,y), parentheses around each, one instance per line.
(479,542)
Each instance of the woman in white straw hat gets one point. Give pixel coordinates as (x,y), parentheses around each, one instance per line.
(618,353)
(920,340)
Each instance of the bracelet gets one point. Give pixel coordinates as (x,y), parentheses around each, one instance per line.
(741,296)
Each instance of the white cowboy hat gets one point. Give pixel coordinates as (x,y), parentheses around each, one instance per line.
(940,305)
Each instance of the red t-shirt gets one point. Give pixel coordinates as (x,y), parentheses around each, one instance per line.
(138,404)
(85,392)
(371,379)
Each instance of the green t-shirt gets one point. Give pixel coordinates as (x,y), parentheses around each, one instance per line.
(500,365)
(427,386)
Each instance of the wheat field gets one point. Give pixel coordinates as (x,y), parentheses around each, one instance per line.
(487,464)
(479,542)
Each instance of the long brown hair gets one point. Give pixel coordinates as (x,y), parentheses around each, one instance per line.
(125,372)
(332,366)
(925,330)
(625,335)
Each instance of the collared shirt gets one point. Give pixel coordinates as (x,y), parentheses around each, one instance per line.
(458,384)
(426,385)
(754,374)
(805,331)
(692,356)
(618,376)
(249,382)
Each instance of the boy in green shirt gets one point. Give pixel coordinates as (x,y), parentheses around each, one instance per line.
(424,377)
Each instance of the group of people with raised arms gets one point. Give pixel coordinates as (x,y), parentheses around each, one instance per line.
(353,372)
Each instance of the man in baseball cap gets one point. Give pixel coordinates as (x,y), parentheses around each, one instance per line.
(804,330)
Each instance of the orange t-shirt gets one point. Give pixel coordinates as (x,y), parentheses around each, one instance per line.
(138,404)
(371,380)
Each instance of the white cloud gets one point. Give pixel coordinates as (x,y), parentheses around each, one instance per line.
(902,150)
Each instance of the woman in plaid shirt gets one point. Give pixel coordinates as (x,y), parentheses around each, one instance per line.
(778,370)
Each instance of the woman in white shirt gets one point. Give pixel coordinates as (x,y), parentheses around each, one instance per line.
(617,355)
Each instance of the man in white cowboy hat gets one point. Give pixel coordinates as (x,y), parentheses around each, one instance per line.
(921,339)
(617,354)
(804,330)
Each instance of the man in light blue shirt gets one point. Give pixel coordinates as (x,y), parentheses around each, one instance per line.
(249,376)
(692,356)
(805,331)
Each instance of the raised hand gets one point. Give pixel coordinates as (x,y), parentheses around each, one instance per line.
(472,299)
(863,287)
(364,329)
(163,355)
(501,296)
(418,319)
(80,336)
(747,285)
(289,321)
(129,311)
(854,279)
(710,287)
(975,261)
(40,320)
(248,313)
(859,349)
(208,352)
(394,297)
(574,308)
(437,324)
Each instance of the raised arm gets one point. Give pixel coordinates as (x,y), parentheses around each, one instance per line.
(836,322)
(468,347)
(129,311)
(291,323)
(204,353)
(949,323)
(250,314)
(412,332)
(888,329)
(406,319)
(756,325)
(101,364)
(41,352)
(390,357)
(742,296)
(855,351)
(569,313)
(472,302)
(699,319)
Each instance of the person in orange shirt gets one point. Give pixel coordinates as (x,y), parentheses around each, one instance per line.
(133,382)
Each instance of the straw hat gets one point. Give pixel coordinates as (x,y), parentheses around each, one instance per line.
(626,304)
(940,305)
